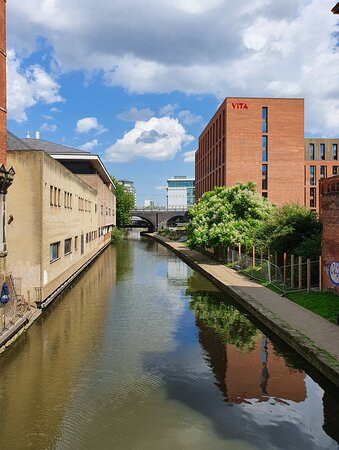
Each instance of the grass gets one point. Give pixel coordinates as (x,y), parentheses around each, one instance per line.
(325,304)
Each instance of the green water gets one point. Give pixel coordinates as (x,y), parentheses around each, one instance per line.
(144,353)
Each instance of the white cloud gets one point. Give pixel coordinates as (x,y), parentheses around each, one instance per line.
(218,47)
(58,110)
(156,139)
(88,124)
(47,117)
(88,146)
(189,157)
(26,88)
(48,127)
(168,110)
(188,118)
(134,114)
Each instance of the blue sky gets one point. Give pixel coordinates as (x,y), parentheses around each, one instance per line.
(136,82)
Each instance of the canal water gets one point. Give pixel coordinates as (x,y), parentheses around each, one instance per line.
(144,353)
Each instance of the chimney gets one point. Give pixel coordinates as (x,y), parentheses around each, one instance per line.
(28,136)
(37,135)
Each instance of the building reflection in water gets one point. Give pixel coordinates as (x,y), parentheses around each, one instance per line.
(251,369)
(247,366)
(49,357)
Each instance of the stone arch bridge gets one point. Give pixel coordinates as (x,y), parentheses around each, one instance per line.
(158,217)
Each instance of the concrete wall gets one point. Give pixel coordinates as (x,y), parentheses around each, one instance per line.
(329,216)
(49,204)
(2,81)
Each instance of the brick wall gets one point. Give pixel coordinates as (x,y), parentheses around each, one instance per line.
(39,220)
(2,81)
(230,147)
(329,216)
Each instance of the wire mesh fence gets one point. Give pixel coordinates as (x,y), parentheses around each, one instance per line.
(295,274)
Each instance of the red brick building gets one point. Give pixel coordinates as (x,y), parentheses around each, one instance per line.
(2,81)
(329,216)
(262,140)
(254,139)
(321,161)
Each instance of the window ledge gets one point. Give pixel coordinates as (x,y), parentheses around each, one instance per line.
(54,260)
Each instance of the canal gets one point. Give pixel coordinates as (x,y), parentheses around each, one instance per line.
(144,353)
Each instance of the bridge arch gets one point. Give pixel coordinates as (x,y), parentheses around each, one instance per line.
(152,224)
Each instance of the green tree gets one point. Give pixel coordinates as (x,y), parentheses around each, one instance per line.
(227,216)
(292,229)
(125,203)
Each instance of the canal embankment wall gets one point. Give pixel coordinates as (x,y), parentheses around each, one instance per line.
(314,338)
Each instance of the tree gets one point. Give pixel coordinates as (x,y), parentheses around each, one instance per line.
(124,203)
(227,216)
(293,229)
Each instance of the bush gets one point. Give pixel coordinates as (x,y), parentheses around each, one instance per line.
(116,235)
(292,229)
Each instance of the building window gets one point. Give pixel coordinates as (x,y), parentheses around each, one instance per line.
(264,148)
(264,177)
(335,152)
(264,113)
(264,194)
(322,171)
(54,251)
(76,243)
(59,197)
(311,150)
(335,170)
(55,196)
(312,197)
(312,175)
(67,246)
(322,151)
(51,195)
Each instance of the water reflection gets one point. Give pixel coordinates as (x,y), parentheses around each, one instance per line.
(38,373)
(145,353)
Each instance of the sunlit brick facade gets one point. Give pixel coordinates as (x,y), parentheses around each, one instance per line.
(254,139)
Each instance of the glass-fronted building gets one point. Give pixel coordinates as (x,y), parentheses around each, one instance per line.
(180,192)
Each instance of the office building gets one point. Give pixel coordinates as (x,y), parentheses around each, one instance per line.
(149,204)
(180,192)
(61,210)
(129,187)
(254,139)
(262,140)
(321,161)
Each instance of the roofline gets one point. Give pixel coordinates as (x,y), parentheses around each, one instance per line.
(181,179)
(87,157)
(335,9)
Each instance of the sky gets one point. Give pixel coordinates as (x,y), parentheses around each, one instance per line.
(137,81)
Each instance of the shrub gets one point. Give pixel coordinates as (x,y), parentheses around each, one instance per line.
(116,235)
(292,229)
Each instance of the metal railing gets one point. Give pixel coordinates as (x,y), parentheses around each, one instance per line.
(298,275)
(159,208)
